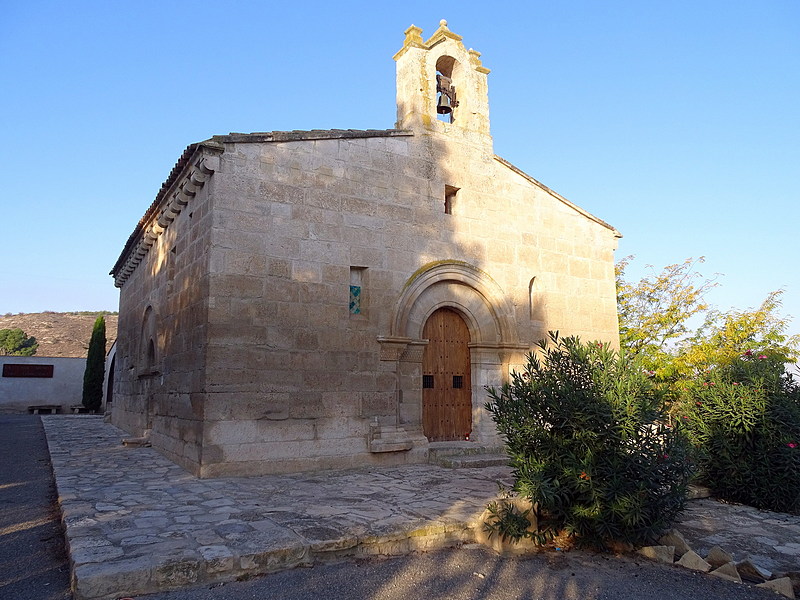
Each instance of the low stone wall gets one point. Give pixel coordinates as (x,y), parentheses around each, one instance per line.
(40,380)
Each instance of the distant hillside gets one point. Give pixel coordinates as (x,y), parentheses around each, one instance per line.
(61,334)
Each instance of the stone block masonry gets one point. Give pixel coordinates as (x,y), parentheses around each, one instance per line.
(274,297)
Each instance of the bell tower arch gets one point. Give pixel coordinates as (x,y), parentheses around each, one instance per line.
(442,86)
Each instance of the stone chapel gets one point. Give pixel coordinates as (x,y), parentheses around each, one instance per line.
(307,300)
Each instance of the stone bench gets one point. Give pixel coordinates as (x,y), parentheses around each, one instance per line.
(49,409)
(79,409)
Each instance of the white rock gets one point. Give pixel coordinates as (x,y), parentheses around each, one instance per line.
(728,571)
(692,560)
(782,585)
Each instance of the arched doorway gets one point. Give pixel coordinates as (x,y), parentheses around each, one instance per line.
(492,344)
(446,378)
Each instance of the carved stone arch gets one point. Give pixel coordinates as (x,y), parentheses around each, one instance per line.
(462,286)
(489,317)
(448,66)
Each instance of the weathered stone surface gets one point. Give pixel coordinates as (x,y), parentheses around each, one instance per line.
(717,557)
(795,577)
(488,537)
(782,585)
(664,554)
(692,560)
(727,571)
(752,572)
(698,491)
(673,537)
(218,559)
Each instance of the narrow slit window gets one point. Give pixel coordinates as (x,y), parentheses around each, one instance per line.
(357,290)
(458,382)
(355,299)
(427,382)
(171,268)
(450,193)
(531,298)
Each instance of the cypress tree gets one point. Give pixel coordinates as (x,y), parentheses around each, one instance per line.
(95,367)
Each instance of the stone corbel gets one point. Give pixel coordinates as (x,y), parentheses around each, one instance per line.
(209,164)
(197,178)
(189,189)
(165,218)
(180,199)
(184,190)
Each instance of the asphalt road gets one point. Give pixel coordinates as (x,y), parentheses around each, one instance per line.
(473,573)
(33,561)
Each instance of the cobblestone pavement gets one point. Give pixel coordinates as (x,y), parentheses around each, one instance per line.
(137,523)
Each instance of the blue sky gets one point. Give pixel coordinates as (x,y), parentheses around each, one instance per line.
(676,122)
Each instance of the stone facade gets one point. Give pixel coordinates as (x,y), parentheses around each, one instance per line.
(273,297)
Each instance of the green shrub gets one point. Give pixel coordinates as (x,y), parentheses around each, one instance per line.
(743,420)
(586,433)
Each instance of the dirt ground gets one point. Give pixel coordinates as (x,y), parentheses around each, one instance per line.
(61,334)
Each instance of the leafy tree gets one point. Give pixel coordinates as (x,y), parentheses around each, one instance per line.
(15,342)
(726,381)
(654,321)
(95,367)
(586,434)
(654,313)
(725,337)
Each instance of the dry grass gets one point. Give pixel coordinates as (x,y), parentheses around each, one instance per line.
(60,334)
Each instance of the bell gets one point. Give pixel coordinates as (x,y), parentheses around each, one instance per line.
(443,105)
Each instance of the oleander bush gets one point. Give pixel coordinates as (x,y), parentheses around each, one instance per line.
(743,420)
(590,446)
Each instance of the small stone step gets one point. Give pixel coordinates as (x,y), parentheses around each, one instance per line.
(472,461)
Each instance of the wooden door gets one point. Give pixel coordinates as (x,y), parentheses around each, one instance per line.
(446,378)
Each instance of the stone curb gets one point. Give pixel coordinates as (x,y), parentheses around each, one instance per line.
(110,578)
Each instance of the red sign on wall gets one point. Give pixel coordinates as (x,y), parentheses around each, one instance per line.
(23,370)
